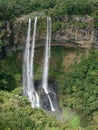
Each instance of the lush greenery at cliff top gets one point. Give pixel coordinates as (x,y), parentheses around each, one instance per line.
(54,8)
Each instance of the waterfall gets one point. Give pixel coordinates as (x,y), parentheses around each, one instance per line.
(28,70)
(46,63)
(36,98)
(26,62)
(28,82)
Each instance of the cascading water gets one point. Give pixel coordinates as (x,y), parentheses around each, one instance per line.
(46,63)
(47,98)
(37,104)
(26,62)
(28,83)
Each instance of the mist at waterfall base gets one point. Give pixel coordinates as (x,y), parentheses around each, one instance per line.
(40,94)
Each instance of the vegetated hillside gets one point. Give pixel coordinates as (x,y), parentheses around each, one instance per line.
(17,114)
(78,92)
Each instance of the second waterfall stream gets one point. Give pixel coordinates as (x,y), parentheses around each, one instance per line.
(46,63)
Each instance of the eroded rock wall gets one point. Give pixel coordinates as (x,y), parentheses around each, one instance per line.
(75,29)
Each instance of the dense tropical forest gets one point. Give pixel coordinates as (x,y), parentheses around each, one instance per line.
(75,70)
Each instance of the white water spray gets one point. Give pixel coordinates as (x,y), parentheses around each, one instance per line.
(46,63)
(26,62)
(37,104)
(28,82)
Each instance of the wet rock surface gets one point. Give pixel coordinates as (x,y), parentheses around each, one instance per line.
(44,100)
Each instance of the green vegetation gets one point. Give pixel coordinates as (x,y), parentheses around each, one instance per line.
(80,88)
(10,71)
(17,114)
(77,85)
(9,8)
(81,85)
(78,93)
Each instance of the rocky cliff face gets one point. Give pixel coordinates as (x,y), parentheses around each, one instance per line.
(74,29)
(78,30)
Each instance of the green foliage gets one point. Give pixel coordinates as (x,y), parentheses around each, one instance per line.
(80,88)
(81,85)
(79,7)
(95,16)
(7,81)
(10,72)
(16,113)
(79,92)
(10,9)
(72,118)
(56,26)
(1,43)
(56,64)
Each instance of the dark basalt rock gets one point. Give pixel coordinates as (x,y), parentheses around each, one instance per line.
(44,101)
